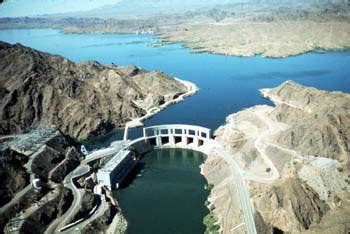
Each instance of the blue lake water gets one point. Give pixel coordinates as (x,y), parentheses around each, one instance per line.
(227,85)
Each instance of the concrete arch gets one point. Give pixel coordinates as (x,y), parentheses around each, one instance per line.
(155,137)
(178,136)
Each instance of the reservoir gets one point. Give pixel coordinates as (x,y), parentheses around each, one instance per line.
(167,193)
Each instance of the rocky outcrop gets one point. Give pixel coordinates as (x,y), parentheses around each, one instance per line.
(43,153)
(14,177)
(100,224)
(89,200)
(71,161)
(289,203)
(294,158)
(38,222)
(81,99)
(22,204)
(55,159)
(319,121)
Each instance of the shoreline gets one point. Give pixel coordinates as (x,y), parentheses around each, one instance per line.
(138,122)
(192,89)
(163,40)
(200,49)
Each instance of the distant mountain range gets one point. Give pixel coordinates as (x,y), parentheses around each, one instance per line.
(132,9)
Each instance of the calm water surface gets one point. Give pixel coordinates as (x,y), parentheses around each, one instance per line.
(169,195)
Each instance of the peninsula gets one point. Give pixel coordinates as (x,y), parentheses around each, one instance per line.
(295,162)
(82,99)
(246,28)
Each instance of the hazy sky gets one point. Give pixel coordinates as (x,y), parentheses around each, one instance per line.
(13,8)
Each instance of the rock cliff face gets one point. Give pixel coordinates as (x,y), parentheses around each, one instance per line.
(295,158)
(82,99)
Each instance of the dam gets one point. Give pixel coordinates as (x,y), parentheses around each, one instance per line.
(117,168)
(173,136)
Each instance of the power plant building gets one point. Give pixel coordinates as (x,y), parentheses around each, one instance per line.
(116,169)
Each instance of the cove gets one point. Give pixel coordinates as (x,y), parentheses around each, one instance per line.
(167,195)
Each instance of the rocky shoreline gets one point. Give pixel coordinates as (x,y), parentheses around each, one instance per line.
(295,161)
(191,90)
(294,38)
(199,49)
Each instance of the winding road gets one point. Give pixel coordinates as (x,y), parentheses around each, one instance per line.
(261,146)
(83,169)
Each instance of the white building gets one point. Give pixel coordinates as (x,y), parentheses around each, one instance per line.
(116,169)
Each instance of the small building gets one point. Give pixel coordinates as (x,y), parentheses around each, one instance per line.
(116,170)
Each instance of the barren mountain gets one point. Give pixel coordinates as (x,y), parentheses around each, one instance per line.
(82,99)
(259,27)
(295,161)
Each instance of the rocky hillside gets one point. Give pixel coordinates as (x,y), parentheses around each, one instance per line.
(82,99)
(294,158)
(43,153)
(319,120)
(15,177)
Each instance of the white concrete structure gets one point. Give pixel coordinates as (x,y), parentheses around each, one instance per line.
(178,136)
(156,137)
(116,169)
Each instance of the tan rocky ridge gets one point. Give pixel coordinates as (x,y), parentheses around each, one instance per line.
(279,38)
(244,28)
(295,161)
(82,99)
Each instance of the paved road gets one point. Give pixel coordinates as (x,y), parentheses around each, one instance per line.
(20,194)
(78,193)
(243,193)
(77,199)
(102,208)
(239,184)
(30,211)
(16,198)
(261,146)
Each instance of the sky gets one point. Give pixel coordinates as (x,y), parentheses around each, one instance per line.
(14,8)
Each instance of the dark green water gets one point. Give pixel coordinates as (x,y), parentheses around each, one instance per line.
(167,195)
